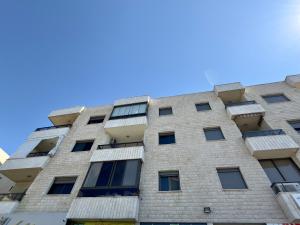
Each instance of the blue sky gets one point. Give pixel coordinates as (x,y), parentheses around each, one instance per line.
(56,54)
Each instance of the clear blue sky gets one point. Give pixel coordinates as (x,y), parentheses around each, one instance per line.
(62,53)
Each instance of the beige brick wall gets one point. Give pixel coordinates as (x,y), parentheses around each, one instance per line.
(194,157)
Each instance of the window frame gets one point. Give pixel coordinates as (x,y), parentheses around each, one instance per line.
(90,122)
(201,104)
(83,141)
(214,129)
(241,175)
(277,169)
(109,187)
(160,173)
(111,117)
(165,108)
(291,122)
(265,97)
(61,177)
(167,133)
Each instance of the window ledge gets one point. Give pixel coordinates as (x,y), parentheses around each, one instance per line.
(58,195)
(177,191)
(216,140)
(242,190)
(167,144)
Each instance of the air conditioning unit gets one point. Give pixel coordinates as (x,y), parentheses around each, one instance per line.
(286,187)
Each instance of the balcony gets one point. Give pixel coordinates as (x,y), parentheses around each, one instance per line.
(33,155)
(268,144)
(293,80)
(119,151)
(9,202)
(122,208)
(288,197)
(65,116)
(24,170)
(244,109)
(232,92)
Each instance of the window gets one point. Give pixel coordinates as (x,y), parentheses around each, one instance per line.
(166,138)
(125,111)
(165,111)
(281,170)
(83,146)
(213,133)
(295,124)
(169,181)
(112,178)
(231,178)
(203,106)
(96,119)
(62,185)
(275,98)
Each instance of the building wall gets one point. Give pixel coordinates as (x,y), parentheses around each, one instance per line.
(66,163)
(194,157)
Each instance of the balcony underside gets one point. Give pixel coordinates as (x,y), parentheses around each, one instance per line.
(23,170)
(105,208)
(232,92)
(128,129)
(65,116)
(273,146)
(293,80)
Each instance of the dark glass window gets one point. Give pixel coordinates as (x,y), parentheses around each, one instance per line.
(275,98)
(113,177)
(213,133)
(281,170)
(203,106)
(83,146)
(169,181)
(295,124)
(125,111)
(166,138)
(96,119)
(231,178)
(62,185)
(165,111)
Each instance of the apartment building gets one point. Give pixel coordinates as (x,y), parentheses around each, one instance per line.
(226,156)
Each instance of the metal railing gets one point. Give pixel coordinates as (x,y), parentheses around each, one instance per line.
(259,133)
(52,127)
(285,187)
(240,103)
(36,154)
(121,145)
(11,196)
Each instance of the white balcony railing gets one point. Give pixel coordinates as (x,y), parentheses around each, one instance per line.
(248,108)
(270,144)
(105,208)
(122,151)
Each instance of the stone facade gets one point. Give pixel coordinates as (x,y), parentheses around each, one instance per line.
(192,155)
